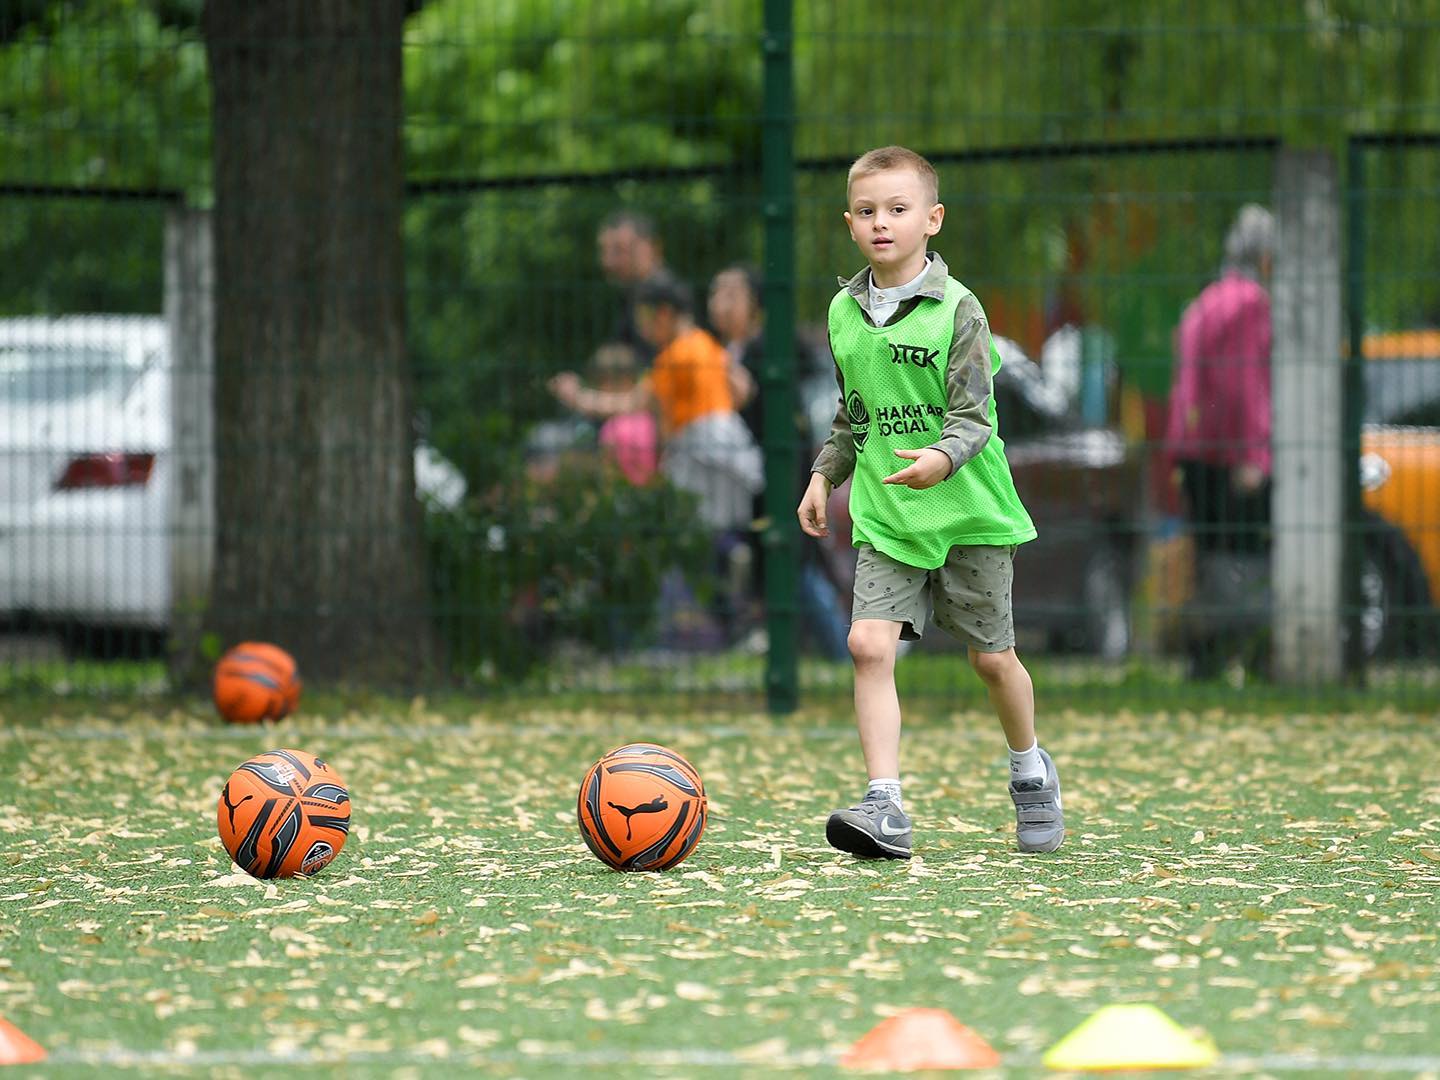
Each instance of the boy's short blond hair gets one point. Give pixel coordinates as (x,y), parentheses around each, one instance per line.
(884,158)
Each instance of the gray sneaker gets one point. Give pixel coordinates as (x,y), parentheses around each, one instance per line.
(1039,817)
(876,829)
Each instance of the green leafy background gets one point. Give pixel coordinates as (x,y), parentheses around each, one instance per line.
(502,283)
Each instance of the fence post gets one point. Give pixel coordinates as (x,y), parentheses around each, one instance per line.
(1355,664)
(777,380)
(190,318)
(1308,410)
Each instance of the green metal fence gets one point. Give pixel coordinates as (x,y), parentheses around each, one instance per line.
(1393,393)
(1090,167)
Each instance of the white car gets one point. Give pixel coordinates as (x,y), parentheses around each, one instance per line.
(85,426)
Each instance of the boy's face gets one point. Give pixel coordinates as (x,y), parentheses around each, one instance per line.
(892,216)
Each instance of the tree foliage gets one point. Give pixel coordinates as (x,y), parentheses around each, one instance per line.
(110,95)
(572,552)
(1120,241)
(502,281)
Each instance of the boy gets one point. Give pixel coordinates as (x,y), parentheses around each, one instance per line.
(916,365)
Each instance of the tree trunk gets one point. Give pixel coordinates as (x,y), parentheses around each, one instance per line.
(318,546)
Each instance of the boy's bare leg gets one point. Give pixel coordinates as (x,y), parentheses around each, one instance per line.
(1039,815)
(877,827)
(877,705)
(1011,694)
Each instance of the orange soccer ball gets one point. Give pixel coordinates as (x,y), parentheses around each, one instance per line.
(641,807)
(256,681)
(282,813)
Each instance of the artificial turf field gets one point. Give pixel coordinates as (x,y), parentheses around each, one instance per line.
(1273,880)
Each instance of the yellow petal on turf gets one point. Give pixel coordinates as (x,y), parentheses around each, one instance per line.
(690,991)
(1130,1037)
(230,881)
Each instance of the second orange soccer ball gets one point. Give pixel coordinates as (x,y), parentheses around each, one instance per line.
(256,681)
(642,807)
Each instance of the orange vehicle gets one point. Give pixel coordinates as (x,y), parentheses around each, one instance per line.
(1400,478)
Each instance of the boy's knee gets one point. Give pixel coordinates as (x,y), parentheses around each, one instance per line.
(992,667)
(872,641)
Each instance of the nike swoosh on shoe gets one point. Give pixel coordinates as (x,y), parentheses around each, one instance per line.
(887,830)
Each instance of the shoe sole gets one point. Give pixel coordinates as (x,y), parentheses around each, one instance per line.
(1033,849)
(856,841)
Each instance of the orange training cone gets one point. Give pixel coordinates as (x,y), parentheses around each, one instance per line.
(17,1048)
(920,1039)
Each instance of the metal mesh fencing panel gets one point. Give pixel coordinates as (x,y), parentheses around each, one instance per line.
(548,321)
(84,555)
(1394,396)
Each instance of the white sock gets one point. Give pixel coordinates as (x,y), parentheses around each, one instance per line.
(1026,764)
(889,787)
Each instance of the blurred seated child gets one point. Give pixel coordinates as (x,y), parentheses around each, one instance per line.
(632,438)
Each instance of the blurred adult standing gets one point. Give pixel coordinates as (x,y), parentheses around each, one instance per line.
(1219,423)
(1218,435)
(630,253)
(736,315)
(736,311)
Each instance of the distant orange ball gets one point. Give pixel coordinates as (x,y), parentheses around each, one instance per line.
(256,681)
(641,807)
(283,813)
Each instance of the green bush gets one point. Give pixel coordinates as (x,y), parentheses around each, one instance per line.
(573,552)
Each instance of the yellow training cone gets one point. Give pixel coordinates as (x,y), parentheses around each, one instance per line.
(1130,1037)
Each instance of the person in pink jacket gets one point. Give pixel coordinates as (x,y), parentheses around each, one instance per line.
(1218,436)
(1218,432)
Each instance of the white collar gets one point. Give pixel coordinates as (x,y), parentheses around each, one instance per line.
(897,293)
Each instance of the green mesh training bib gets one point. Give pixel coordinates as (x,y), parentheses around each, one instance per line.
(896,398)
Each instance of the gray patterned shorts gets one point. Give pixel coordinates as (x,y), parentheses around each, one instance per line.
(970,594)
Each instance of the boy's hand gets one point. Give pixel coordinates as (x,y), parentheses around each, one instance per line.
(931,466)
(812,507)
(566,387)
